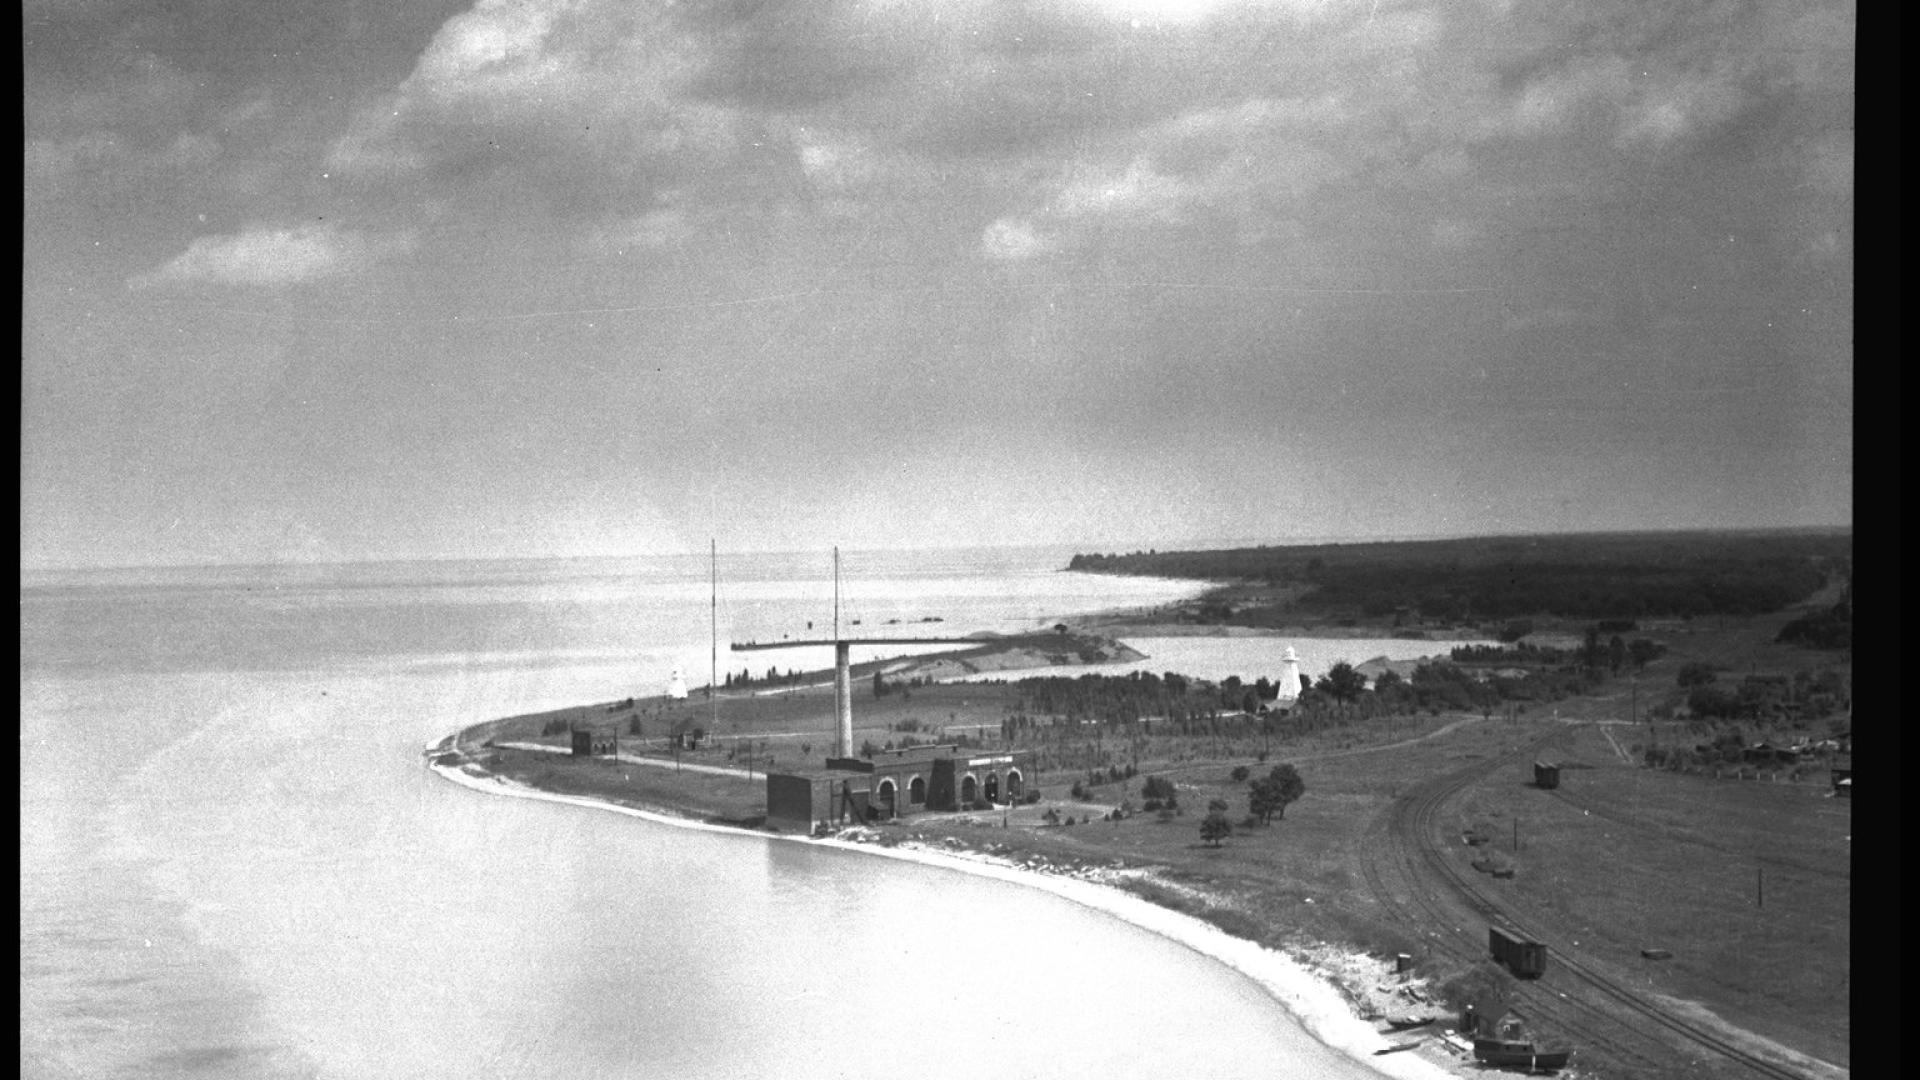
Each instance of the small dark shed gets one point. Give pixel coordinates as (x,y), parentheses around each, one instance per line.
(687,734)
(1546,775)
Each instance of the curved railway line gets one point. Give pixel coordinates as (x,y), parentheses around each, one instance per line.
(1417,882)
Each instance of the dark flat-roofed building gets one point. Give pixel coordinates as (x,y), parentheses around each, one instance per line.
(896,783)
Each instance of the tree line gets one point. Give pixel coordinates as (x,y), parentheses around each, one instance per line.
(1593,576)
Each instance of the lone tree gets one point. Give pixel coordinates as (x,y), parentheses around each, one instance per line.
(1269,796)
(1215,827)
(1342,682)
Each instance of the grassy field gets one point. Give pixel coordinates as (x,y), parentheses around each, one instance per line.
(1746,882)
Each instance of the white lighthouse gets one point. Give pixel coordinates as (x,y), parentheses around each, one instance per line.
(1289,676)
(677,686)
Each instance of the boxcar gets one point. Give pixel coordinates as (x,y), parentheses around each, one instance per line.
(1526,959)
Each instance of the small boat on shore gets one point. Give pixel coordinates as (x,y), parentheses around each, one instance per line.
(1519,1054)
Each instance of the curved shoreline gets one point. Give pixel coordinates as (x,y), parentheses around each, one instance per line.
(1309,999)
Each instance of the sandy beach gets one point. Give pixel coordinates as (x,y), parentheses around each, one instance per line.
(1313,995)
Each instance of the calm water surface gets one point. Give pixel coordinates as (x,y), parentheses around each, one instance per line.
(233,863)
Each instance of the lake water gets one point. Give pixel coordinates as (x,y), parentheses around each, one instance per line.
(233,863)
(1249,658)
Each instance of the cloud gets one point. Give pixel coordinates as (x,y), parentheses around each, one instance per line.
(51,160)
(1011,240)
(663,227)
(1247,168)
(1677,109)
(272,257)
(594,81)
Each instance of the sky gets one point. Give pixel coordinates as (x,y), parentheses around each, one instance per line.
(362,280)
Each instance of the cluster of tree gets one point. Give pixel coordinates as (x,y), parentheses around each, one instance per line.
(1451,594)
(1342,682)
(1596,576)
(1121,699)
(772,678)
(1439,686)
(1616,653)
(1829,629)
(882,686)
(1758,698)
(1159,793)
(1521,654)
(1269,796)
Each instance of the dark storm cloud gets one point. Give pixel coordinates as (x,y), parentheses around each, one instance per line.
(809,248)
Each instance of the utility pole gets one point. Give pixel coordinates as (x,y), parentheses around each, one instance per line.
(713,659)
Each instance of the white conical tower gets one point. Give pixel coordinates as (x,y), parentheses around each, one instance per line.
(677,686)
(1289,676)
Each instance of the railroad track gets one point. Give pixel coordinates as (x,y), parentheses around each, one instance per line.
(1404,876)
(1417,882)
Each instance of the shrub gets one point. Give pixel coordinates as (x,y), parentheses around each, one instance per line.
(1032,796)
(1486,986)
(1240,773)
(1152,805)
(1695,673)
(1079,790)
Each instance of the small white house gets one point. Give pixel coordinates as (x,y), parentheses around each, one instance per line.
(677,686)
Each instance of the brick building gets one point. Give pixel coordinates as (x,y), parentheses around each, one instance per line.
(896,783)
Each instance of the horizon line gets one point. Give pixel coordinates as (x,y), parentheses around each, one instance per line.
(1196,543)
